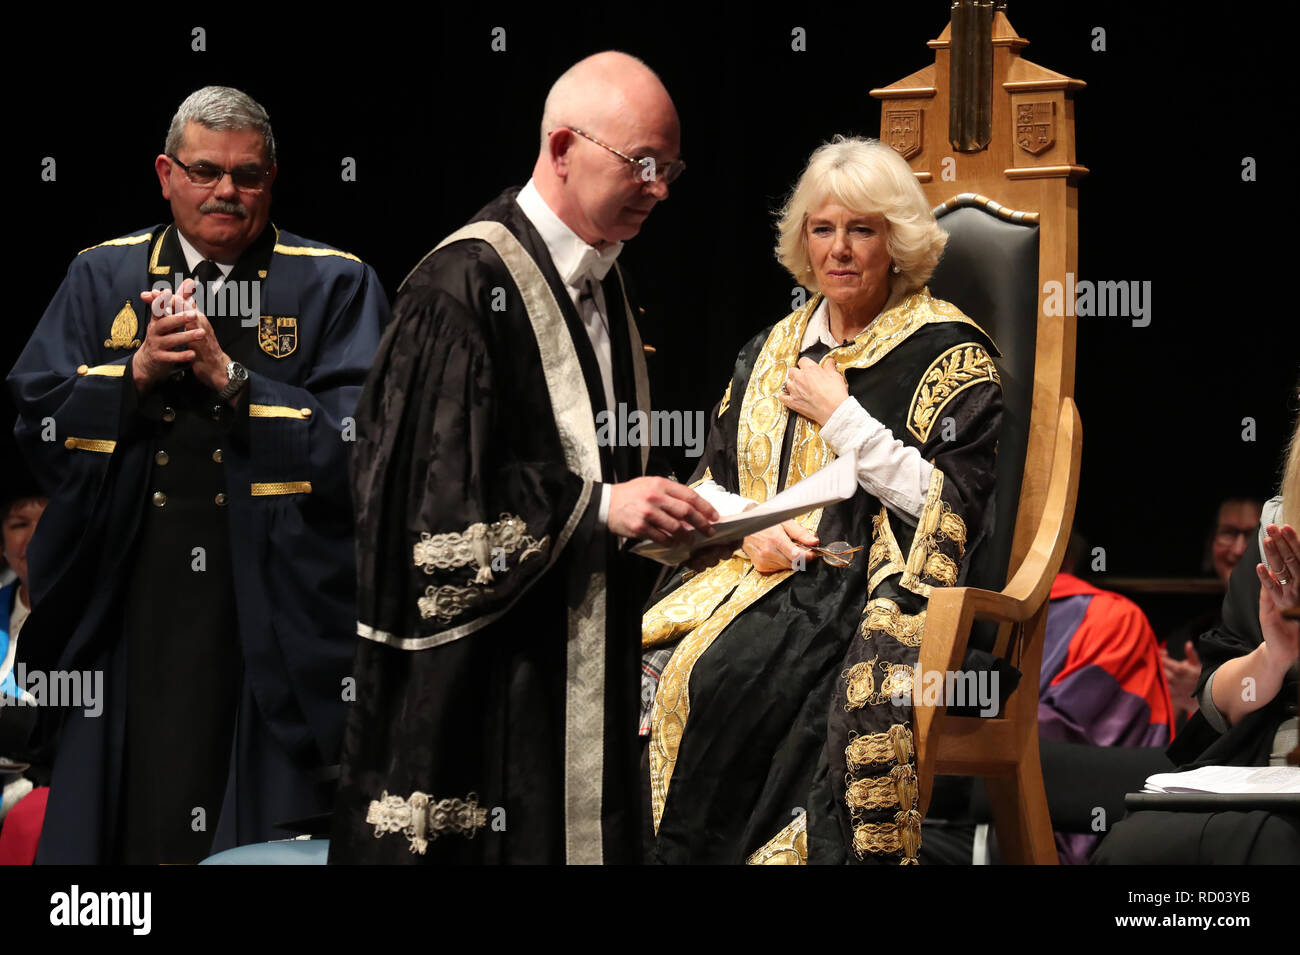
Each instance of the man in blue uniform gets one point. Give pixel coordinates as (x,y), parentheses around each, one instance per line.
(185,400)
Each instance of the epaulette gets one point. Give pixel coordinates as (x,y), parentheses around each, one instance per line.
(124,240)
(281,249)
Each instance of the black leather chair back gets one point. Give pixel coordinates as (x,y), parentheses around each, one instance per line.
(990,271)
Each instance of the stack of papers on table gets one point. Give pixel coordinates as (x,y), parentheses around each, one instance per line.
(1228,780)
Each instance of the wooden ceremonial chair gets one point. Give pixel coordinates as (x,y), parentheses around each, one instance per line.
(990,137)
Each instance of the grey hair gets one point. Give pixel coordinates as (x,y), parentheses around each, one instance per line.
(220,108)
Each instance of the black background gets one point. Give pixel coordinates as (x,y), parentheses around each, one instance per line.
(438,124)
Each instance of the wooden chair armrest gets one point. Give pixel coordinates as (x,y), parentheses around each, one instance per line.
(952,610)
(986,746)
(1033,580)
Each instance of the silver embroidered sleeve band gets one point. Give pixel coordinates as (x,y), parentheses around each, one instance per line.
(422,819)
(479,546)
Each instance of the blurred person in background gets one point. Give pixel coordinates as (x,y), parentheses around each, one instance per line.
(24,763)
(1101,681)
(1237,519)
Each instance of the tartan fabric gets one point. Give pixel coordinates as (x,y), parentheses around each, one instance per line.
(652,667)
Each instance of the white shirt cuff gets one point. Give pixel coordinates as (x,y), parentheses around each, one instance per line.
(603,516)
(887,468)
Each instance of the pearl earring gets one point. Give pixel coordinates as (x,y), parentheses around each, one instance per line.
(897,270)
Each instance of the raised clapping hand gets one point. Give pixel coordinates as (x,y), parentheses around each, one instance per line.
(657,509)
(1281,562)
(814,390)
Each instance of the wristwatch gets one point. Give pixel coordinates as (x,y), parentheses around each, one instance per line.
(238,378)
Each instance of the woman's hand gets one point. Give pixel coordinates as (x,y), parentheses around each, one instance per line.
(1282,560)
(1281,637)
(814,390)
(777,548)
(1244,684)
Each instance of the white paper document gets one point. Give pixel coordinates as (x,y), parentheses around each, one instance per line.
(1246,780)
(835,482)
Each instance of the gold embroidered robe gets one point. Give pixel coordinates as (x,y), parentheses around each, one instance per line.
(776,718)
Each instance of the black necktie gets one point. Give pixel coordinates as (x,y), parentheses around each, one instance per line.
(205,273)
(816,351)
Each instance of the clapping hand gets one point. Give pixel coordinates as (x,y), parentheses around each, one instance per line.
(1182,675)
(1281,563)
(181,315)
(169,341)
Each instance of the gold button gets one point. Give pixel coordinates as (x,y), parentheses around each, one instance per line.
(216,412)
(216,455)
(159,499)
(169,414)
(161,457)
(82,369)
(306,412)
(221,499)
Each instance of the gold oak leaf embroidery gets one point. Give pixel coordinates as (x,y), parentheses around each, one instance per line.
(952,372)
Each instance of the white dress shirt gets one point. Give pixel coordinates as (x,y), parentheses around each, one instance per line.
(893,472)
(582,268)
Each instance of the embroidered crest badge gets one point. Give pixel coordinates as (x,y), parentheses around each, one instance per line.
(125,325)
(1036,127)
(902,129)
(278,335)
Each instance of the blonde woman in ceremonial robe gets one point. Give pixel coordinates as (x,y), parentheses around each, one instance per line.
(778,680)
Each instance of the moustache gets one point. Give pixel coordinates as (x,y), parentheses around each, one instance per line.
(225,208)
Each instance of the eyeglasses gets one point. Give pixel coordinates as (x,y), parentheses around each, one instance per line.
(1227,536)
(206,175)
(647,168)
(837,553)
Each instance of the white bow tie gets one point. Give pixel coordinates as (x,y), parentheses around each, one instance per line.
(593,264)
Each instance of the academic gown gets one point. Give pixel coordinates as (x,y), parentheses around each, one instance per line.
(497,690)
(275,585)
(773,738)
